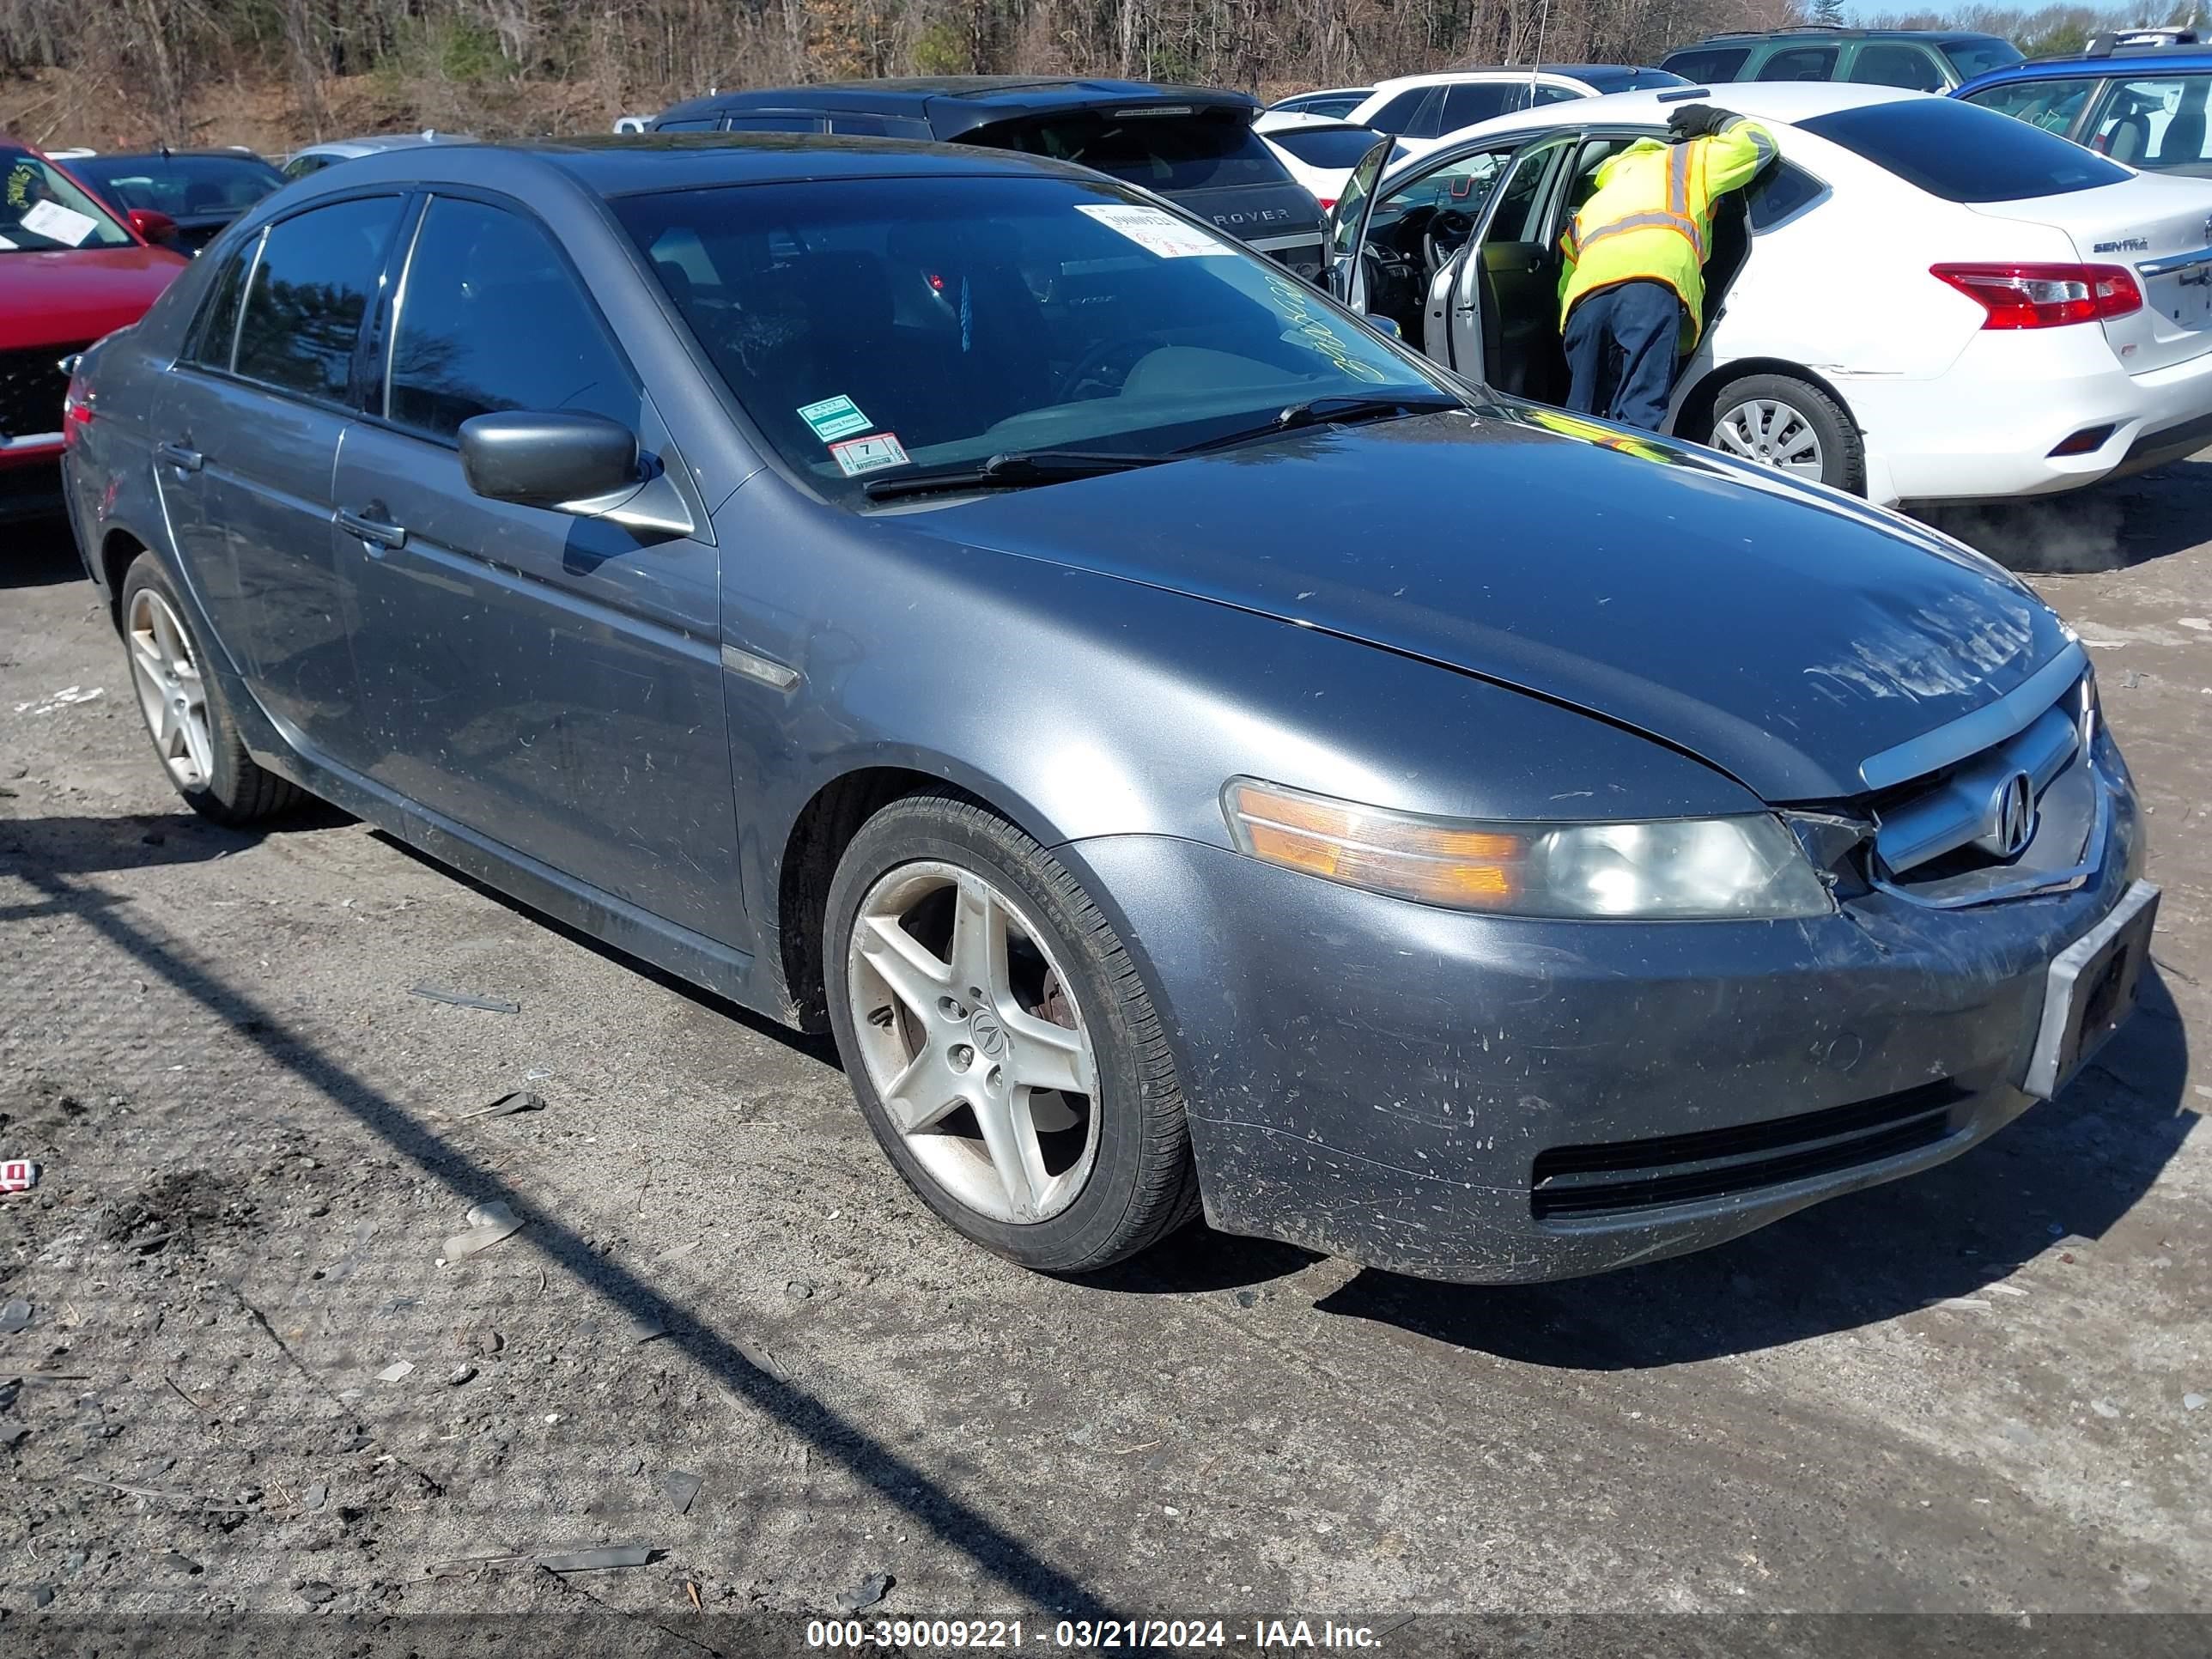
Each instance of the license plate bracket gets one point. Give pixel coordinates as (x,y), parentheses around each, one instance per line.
(2090,989)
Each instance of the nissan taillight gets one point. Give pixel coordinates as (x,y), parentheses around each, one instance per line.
(2045,296)
(76,408)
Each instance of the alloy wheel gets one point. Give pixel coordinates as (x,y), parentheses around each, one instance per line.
(1771,432)
(970,1033)
(171,691)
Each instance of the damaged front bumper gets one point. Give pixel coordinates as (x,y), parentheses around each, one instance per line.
(1497,1100)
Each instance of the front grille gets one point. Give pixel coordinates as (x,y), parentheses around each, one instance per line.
(1615,1176)
(32,385)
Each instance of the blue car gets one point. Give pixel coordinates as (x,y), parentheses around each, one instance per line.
(1193,752)
(2139,98)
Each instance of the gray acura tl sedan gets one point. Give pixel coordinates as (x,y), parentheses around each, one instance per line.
(1190,752)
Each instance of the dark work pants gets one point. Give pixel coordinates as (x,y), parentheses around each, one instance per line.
(1620,343)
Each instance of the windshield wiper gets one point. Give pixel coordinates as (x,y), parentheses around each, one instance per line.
(1015,470)
(1344,409)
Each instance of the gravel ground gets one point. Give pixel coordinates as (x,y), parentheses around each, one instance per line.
(252,1382)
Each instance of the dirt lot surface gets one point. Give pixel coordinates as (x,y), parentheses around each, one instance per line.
(250,1380)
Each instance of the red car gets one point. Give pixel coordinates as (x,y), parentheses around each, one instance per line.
(69,272)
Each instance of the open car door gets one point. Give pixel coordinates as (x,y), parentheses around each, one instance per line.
(1347,226)
(1505,324)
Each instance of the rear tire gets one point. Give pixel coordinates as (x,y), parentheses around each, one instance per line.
(186,715)
(1769,418)
(1101,1163)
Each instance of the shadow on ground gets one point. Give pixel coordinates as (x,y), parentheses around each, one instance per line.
(956,1524)
(39,553)
(2073,1166)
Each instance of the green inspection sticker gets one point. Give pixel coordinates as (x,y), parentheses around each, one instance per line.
(835,417)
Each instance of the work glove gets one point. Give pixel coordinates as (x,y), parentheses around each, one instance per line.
(1697,121)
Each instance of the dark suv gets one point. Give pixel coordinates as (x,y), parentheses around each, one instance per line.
(1924,60)
(1191,144)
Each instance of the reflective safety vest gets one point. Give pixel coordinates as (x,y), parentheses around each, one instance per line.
(1651,218)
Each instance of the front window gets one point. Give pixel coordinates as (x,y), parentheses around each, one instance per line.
(183,186)
(43,208)
(2157,123)
(871,326)
(1962,152)
(1892,63)
(1980,54)
(1164,149)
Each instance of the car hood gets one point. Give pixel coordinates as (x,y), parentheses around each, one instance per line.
(1781,634)
(71,294)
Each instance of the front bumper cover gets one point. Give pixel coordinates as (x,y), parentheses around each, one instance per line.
(1377,1079)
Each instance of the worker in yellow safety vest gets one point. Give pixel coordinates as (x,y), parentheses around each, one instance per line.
(1632,293)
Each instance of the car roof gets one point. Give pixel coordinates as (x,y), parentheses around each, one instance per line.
(956,103)
(621,164)
(1764,101)
(1447,78)
(374,142)
(2146,64)
(1836,32)
(136,157)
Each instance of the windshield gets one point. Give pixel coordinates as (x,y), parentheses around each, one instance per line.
(182,186)
(1978,56)
(871,326)
(43,208)
(1964,153)
(1210,149)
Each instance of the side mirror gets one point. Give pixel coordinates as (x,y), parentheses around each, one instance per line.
(555,459)
(583,464)
(154,226)
(1387,325)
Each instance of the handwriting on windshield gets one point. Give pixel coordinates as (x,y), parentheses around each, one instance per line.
(1312,331)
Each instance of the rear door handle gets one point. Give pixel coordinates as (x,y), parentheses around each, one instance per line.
(181,457)
(376,533)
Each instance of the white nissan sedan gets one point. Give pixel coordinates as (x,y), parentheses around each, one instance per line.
(1921,301)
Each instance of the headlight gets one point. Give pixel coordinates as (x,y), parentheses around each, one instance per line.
(1663,869)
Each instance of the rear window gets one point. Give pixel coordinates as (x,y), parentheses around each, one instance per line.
(1979,54)
(1604,80)
(183,186)
(1327,147)
(1702,65)
(1963,153)
(1160,152)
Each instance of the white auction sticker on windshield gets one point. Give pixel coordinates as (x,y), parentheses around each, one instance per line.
(870,454)
(5,243)
(1161,232)
(57,224)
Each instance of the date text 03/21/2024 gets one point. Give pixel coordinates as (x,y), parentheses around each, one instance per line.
(953,1635)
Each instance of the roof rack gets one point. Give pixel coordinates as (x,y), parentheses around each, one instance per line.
(2118,42)
(1792,28)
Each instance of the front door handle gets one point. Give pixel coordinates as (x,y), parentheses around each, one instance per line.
(182,456)
(375,531)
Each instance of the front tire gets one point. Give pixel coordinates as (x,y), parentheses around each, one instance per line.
(1001,1045)
(1792,425)
(183,704)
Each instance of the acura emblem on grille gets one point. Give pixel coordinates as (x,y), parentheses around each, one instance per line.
(2011,819)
